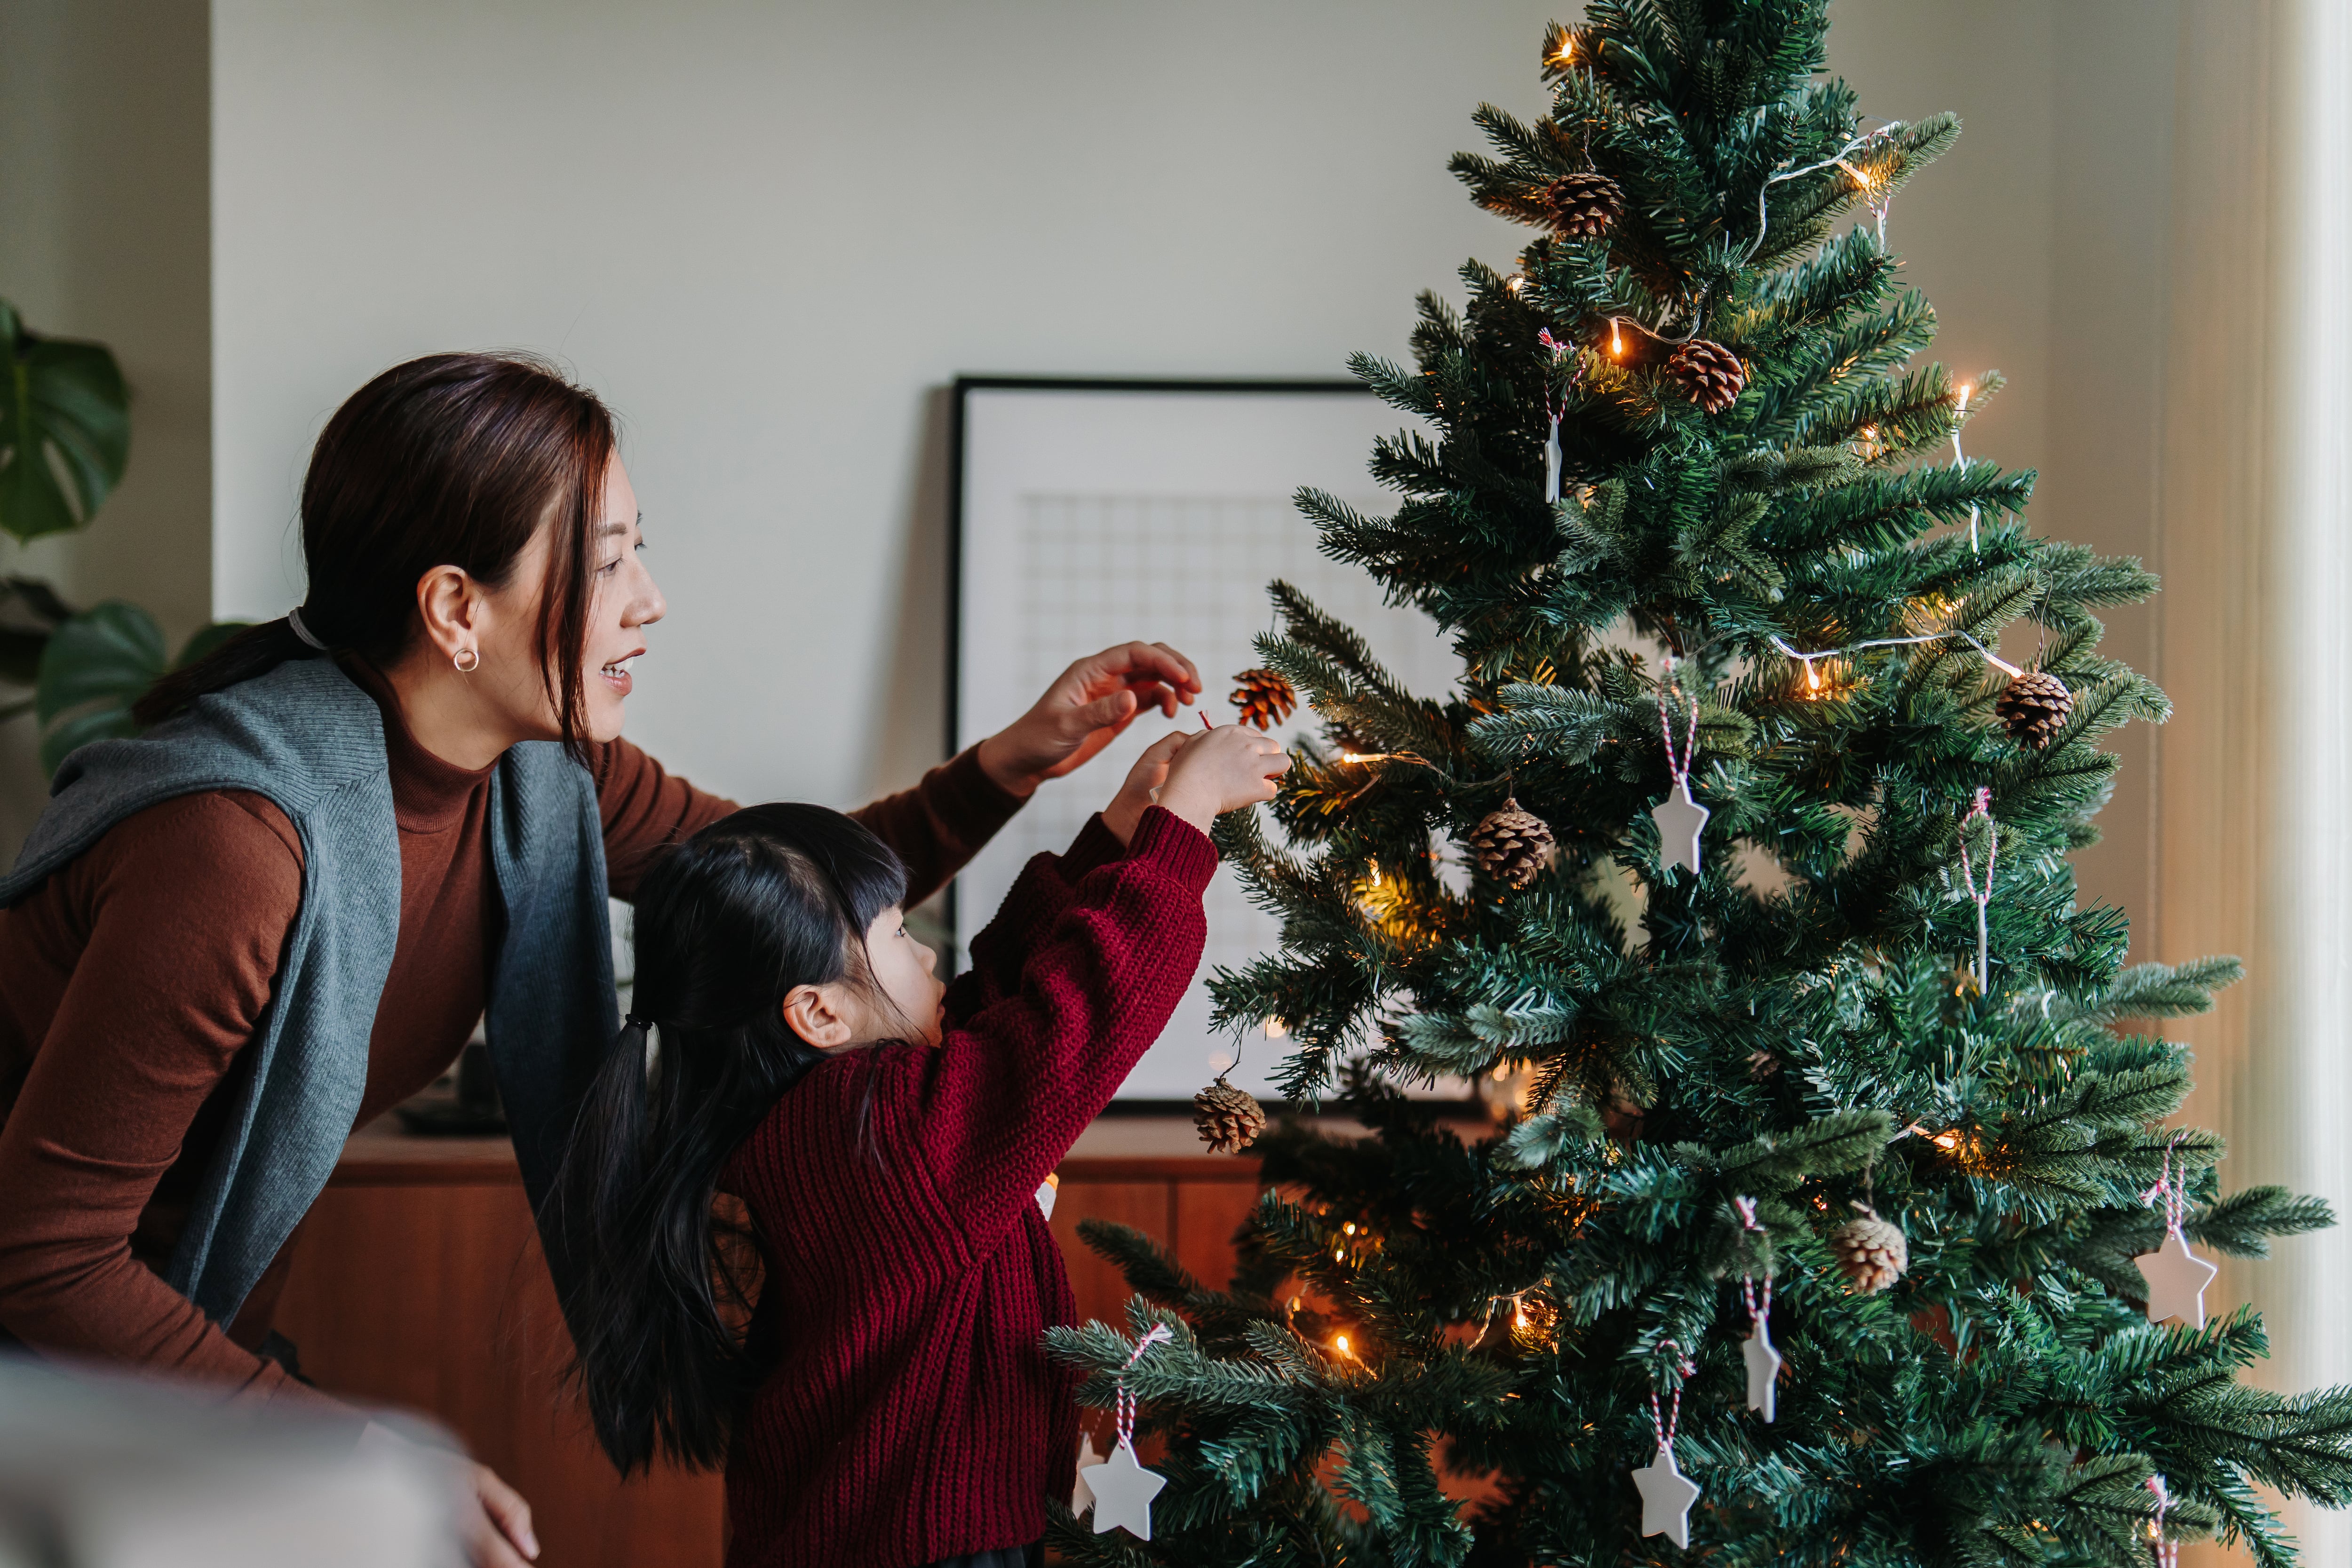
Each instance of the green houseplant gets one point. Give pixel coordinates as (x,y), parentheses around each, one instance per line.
(65,441)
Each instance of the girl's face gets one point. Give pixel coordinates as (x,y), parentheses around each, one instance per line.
(902,971)
(900,1001)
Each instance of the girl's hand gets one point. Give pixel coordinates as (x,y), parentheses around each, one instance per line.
(1221,770)
(1085,710)
(1137,794)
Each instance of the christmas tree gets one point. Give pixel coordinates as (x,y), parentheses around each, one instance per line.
(1767,912)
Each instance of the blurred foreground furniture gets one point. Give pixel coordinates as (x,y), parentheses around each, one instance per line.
(102,1471)
(418,1283)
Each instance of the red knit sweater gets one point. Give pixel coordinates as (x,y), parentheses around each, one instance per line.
(911,1414)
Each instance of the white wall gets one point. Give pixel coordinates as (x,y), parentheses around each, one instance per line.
(768,233)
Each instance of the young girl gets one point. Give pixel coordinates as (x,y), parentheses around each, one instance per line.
(887,1403)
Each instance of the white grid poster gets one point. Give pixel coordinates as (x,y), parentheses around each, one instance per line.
(1093,517)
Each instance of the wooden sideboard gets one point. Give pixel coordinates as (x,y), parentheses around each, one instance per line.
(418,1282)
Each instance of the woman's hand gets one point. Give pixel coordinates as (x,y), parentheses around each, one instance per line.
(495,1522)
(1085,710)
(1221,770)
(1141,789)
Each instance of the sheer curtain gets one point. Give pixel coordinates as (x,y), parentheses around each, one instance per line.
(2254,773)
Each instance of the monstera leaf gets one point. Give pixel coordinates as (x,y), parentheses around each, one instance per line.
(65,430)
(96,665)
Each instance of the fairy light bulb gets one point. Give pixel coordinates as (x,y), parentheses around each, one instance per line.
(1964,397)
(1813,676)
(1275,1027)
(1567,52)
(1616,342)
(1340,1344)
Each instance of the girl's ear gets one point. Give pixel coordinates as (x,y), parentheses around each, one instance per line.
(816,1013)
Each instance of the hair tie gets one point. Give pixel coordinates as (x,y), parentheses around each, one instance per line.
(635,1022)
(294,619)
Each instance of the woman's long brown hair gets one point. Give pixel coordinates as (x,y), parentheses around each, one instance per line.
(454,459)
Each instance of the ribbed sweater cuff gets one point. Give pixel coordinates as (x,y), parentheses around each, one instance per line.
(983,805)
(1094,845)
(1181,850)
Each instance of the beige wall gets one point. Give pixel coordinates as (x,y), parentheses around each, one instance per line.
(2041,238)
(104,168)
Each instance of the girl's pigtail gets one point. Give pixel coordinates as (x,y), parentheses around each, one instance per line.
(656,1289)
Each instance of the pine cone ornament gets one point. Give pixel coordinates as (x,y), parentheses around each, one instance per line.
(1512,845)
(1264,698)
(1871,1253)
(1229,1119)
(1584,206)
(1710,372)
(2033,706)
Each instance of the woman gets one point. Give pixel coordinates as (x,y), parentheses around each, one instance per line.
(232,940)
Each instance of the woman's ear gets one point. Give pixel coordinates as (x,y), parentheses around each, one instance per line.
(449,608)
(815,1013)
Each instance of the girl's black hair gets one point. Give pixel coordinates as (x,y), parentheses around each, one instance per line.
(727,924)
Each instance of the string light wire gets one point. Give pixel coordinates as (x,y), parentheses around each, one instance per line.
(1836,160)
(1990,658)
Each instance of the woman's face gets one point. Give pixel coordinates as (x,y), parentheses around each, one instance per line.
(626,603)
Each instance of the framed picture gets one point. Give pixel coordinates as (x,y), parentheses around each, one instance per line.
(1085,513)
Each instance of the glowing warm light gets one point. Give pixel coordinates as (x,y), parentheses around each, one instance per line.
(1870,432)
(1519,1318)
(1518,281)
(1566,50)
(1294,1304)
(1348,1229)
(1964,397)
(1275,1027)
(1338,1255)
(1340,1344)
(1947,1141)
(1866,182)
(1363,756)
(1813,676)
(1616,342)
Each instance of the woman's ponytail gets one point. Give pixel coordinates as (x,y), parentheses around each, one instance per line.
(657,1288)
(256,650)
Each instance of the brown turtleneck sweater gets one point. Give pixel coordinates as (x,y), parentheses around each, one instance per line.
(132,979)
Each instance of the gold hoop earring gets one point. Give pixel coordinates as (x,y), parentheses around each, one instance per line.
(466,659)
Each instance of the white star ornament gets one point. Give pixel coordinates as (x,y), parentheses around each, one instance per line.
(1666,1498)
(1680,821)
(1083,1497)
(2176,1278)
(1123,1491)
(1763,1370)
